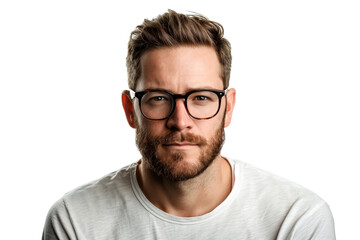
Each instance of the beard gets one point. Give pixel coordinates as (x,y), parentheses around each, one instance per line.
(171,164)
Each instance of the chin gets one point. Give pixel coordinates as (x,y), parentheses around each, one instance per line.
(179,165)
(173,156)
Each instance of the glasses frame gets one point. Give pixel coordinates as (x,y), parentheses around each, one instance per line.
(139,95)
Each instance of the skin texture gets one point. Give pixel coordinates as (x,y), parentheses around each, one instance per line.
(181,171)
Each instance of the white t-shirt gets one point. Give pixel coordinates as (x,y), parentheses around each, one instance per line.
(260,206)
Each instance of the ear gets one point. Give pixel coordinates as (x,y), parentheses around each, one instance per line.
(230,104)
(128,107)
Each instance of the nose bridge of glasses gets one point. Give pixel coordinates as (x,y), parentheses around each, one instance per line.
(179,96)
(182,98)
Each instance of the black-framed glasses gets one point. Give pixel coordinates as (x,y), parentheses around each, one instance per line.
(200,104)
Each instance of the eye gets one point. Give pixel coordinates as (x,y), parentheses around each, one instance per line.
(203,97)
(200,98)
(158,98)
(155,98)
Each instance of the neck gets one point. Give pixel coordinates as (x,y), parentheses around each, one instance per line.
(193,197)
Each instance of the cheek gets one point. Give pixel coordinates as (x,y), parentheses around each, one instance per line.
(208,128)
(141,121)
(154,128)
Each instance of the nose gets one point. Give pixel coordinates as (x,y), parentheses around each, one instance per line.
(180,118)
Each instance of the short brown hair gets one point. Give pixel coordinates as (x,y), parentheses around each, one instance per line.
(174,29)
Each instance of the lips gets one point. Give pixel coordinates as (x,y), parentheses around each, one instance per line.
(177,139)
(180,145)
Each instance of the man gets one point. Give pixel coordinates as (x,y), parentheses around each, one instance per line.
(182,188)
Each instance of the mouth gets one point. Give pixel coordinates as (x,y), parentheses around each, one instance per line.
(180,145)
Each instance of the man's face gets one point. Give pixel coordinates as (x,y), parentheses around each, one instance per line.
(180,147)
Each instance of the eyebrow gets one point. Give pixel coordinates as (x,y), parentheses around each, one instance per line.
(187,90)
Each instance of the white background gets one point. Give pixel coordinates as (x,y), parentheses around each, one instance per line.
(62,69)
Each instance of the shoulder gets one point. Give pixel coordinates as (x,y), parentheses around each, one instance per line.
(106,192)
(296,210)
(109,188)
(266,184)
(89,205)
(275,194)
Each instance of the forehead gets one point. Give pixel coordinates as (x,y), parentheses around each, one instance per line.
(180,69)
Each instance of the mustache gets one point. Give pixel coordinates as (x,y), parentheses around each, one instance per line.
(180,137)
